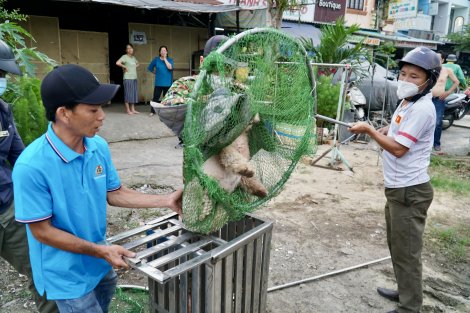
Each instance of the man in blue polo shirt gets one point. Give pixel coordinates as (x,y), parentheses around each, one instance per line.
(62,183)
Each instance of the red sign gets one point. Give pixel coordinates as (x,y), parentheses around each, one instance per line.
(328,11)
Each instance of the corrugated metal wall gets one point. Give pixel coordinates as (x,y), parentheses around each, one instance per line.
(91,49)
(181,43)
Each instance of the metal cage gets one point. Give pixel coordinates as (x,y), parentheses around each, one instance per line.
(226,271)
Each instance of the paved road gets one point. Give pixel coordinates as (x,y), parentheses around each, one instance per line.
(142,148)
(456,139)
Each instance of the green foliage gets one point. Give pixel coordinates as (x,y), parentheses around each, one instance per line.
(276,9)
(453,242)
(451,175)
(27,106)
(129,301)
(383,51)
(461,39)
(24,92)
(327,95)
(14,15)
(14,35)
(452,184)
(334,46)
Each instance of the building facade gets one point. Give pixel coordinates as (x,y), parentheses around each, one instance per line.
(428,19)
(94,35)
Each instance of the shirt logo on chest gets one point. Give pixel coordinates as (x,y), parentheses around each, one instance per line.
(398,119)
(98,170)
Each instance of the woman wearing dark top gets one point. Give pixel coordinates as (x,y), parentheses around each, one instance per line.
(162,66)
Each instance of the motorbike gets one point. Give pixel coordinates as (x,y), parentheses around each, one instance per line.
(457,106)
(357,102)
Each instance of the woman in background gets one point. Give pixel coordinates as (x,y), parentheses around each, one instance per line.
(162,66)
(129,64)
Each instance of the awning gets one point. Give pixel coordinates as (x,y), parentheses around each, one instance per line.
(195,6)
(366,40)
(299,30)
(402,41)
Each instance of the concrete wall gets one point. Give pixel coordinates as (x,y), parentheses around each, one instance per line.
(365,18)
(460,12)
(441,20)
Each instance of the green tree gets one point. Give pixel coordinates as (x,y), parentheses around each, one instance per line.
(385,53)
(276,9)
(461,39)
(334,48)
(23,92)
(334,44)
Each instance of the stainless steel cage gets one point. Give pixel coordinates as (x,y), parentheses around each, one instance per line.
(226,271)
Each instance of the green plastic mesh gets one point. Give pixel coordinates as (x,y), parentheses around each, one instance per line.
(252,98)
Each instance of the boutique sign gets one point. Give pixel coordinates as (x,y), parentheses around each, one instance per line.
(328,11)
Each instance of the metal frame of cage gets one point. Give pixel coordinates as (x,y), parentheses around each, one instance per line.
(226,271)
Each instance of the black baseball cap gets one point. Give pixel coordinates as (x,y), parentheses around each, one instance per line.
(213,43)
(7,59)
(71,84)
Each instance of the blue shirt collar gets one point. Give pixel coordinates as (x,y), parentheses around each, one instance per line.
(63,151)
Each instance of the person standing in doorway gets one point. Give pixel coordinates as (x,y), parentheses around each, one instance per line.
(439,94)
(162,66)
(129,65)
(407,144)
(13,240)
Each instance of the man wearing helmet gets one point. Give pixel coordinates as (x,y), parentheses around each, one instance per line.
(440,93)
(13,241)
(407,144)
(451,59)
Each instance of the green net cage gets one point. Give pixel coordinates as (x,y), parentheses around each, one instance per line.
(249,121)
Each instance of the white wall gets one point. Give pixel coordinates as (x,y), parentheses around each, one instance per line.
(441,20)
(461,12)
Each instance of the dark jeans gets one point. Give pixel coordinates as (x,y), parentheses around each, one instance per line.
(157,91)
(405,214)
(440,106)
(96,301)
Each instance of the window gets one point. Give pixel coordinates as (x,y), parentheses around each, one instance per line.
(356,4)
(458,24)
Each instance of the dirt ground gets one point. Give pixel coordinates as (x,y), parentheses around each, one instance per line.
(324,220)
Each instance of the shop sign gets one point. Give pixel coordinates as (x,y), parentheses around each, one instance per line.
(328,11)
(302,12)
(412,44)
(138,38)
(402,8)
(365,40)
(248,4)
(420,22)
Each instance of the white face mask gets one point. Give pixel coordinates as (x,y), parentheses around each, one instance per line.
(3,85)
(407,89)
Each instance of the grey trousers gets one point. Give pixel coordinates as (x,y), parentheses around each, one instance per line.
(405,214)
(14,249)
